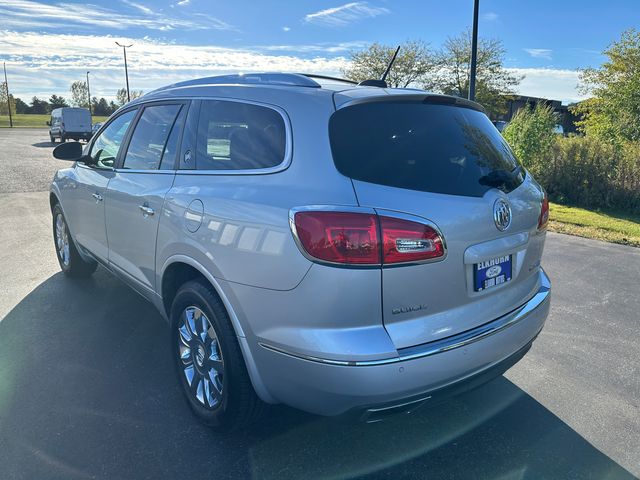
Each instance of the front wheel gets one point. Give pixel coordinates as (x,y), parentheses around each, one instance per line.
(71,263)
(209,363)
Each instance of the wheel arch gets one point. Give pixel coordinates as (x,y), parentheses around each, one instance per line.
(179,269)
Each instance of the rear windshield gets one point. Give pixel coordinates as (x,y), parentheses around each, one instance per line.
(420,146)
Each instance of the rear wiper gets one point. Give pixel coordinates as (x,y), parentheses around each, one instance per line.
(500,179)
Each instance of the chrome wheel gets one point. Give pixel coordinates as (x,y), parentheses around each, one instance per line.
(200,357)
(62,240)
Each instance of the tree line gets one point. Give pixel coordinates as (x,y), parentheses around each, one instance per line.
(79,97)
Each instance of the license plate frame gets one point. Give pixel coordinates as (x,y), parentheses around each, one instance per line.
(492,273)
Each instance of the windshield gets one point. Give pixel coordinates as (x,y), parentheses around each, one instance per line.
(418,146)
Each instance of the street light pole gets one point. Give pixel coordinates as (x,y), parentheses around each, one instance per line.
(89,93)
(126,72)
(6,84)
(474,51)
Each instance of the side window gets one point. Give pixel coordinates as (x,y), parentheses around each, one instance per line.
(105,149)
(239,136)
(150,137)
(168,161)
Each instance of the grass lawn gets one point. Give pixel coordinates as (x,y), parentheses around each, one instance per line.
(613,227)
(35,120)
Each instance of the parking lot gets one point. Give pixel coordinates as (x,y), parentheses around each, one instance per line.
(87,387)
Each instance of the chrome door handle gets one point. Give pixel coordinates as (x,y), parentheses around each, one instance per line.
(97,196)
(146,211)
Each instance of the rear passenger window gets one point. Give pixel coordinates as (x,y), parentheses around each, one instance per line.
(239,136)
(149,139)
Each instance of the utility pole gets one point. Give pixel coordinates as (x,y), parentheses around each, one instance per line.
(6,84)
(89,93)
(474,51)
(126,72)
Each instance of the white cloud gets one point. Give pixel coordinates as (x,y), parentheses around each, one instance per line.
(313,48)
(344,14)
(184,3)
(33,14)
(554,84)
(44,64)
(286,29)
(138,6)
(490,16)
(539,53)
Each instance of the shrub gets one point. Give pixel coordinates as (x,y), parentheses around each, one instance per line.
(530,134)
(592,173)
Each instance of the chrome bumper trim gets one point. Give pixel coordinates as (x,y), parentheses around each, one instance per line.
(443,345)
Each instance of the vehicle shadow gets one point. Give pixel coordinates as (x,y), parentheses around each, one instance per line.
(44,144)
(87,390)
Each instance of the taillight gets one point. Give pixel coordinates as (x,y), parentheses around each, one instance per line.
(543,219)
(407,241)
(339,237)
(365,238)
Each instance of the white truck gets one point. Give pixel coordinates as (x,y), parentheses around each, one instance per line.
(69,122)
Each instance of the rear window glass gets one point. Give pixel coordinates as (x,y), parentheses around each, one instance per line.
(420,146)
(239,136)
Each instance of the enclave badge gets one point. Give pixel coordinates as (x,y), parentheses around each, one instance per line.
(502,214)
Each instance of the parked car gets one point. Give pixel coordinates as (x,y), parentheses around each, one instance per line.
(69,123)
(338,248)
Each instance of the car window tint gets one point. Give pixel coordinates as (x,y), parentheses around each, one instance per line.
(105,148)
(425,147)
(168,161)
(150,137)
(239,136)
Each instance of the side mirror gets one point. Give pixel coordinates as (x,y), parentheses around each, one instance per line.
(71,151)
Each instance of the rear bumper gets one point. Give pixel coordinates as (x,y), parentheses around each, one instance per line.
(333,387)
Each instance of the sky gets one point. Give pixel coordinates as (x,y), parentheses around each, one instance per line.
(48,45)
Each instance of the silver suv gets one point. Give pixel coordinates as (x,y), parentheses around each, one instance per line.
(330,246)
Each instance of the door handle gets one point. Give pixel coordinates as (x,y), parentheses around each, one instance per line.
(97,196)
(146,210)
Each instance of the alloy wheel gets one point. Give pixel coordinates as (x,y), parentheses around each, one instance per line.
(200,357)
(62,240)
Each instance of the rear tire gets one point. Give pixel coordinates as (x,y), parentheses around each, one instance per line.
(209,362)
(71,263)
(51,139)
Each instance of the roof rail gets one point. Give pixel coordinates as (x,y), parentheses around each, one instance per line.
(327,77)
(264,78)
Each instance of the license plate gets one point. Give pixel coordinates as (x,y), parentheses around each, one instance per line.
(491,273)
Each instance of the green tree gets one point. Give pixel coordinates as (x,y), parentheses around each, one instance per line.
(121,95)
(531,136)
(413,64)
(613,111)
(21,107)
(39,106)
(79,94)
(56,101)
(494,83)
(4,107)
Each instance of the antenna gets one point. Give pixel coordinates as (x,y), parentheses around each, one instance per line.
(393,59)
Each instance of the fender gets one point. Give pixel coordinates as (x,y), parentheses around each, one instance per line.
(252,369)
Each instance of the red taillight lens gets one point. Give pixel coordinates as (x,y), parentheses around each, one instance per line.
(339,237)
(544,213)
(354,238)
(407,241)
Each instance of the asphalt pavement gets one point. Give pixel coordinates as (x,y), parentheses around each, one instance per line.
(87,387)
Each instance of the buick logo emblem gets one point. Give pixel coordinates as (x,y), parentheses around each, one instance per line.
(502,214)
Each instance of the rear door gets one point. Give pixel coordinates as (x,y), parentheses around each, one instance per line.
(136,192)
(446,164)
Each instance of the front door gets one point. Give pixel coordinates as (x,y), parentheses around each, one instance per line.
(88,217)
(135,195)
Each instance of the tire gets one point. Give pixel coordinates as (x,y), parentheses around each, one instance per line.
(71,263)
(51,139)
(212,371)
(63,139)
